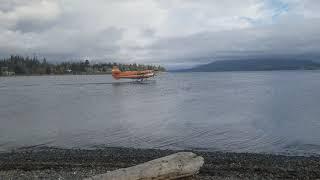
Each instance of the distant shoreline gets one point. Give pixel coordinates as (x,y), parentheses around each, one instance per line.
(19,65)
(290,70)
(169,71)
(27,75)
(256,65)
(54,163)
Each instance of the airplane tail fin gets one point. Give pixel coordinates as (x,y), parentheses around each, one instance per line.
(115,69)
(115,72)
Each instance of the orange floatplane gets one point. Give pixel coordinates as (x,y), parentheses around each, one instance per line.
(138,75)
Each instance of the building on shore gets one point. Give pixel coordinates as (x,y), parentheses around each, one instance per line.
(4,71)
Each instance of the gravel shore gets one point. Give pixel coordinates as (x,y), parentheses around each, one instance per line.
(55,163)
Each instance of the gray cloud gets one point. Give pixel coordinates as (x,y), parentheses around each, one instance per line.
(153,31)
(283,38)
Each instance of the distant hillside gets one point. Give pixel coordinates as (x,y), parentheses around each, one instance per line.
(256,65)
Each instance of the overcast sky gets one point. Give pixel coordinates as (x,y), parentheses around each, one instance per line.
(167,32)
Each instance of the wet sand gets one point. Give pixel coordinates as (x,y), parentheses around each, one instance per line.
(55,163)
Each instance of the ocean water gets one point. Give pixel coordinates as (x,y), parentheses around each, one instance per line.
(265,112)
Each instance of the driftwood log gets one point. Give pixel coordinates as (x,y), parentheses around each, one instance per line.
(179,165)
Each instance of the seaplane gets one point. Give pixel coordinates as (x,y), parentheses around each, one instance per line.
(137,75)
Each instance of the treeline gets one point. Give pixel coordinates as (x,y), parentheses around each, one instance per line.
(20,65)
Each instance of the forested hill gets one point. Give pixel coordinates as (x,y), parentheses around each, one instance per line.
(33,66)
(256,65)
